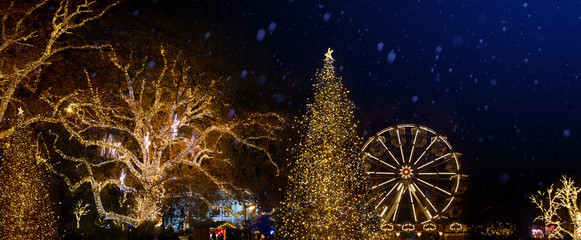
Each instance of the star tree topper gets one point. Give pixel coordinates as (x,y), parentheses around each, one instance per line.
(328,55)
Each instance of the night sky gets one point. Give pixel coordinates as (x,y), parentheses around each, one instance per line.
(499,78)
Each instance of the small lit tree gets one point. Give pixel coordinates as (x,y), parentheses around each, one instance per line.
(560,208)
(158,132)
(80,210)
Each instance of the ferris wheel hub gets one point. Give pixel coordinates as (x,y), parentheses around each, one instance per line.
(406,172)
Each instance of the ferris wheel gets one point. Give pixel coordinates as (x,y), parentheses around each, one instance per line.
(414,173)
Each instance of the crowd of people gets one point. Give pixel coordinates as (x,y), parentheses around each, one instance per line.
(216,236)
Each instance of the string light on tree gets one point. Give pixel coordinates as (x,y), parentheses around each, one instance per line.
(106,151)
(25,207)
(80,210)
(327,193)
(31,35)
(23,69)
(166,124)
(560,206)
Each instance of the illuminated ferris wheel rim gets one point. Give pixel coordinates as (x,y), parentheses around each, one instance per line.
(407,176)
(427,129)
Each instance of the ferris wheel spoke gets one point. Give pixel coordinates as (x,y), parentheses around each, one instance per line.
(383,183)
(434,161)
(400,145)
(413,146)
(381,179)
(445,161)
(379,160)
(393,210)
(425,150)
(422,182)
(436,176)
(419,202)
(393,157)
(380,173)
(413,206)
(390,153)
(425,198)
(438,173)
(386,195)
(383,212)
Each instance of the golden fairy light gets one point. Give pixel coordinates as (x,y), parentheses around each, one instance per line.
(25,207)
(36,50)
(497,229)
(326,197)
(560,208)
(455,226)
(80,209)
(25,49)
(159,122)
(428,227)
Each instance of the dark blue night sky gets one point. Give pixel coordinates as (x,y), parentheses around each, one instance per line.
(499,78)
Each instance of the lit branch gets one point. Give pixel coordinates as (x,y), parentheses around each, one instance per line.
(558,205)
(34,50)
(156,123)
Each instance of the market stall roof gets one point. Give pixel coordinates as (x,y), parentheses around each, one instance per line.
(226,225)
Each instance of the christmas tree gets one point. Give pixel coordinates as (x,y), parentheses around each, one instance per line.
(326,196)
(25,207)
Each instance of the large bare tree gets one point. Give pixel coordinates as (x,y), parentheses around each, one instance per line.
(159,131)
